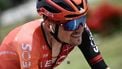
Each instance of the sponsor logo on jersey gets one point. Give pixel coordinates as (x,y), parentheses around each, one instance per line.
(46,64)
(95,48)
(26,55)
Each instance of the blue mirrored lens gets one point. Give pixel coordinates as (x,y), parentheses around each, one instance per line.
(74,24)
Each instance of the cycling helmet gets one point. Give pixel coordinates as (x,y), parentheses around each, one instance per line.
(61,10)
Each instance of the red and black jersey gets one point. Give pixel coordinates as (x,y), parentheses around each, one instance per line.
(25,47)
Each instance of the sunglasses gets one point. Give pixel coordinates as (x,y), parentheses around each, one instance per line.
(74,24)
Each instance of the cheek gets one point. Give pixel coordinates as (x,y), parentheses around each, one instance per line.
(64,35)
(67,35)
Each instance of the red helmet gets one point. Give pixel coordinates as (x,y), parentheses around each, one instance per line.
(61,10)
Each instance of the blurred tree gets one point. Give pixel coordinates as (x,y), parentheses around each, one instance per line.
(6,4)
(105,19)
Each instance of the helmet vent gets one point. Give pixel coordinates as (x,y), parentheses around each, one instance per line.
(51,9)
(63,4)
(81,5)
(43,3)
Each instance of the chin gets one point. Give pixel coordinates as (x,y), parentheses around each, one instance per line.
(76,42)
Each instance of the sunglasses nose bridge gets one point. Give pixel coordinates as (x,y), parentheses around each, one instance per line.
(79,27)
(74,24)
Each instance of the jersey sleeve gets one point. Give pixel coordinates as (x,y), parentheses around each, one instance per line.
(90,51)
(8,57)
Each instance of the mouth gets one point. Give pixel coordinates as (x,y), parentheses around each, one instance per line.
(76,35)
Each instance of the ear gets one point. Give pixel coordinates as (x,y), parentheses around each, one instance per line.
(47,26)
(50,27)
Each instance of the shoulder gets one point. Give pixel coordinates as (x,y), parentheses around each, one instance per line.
(25,39)
(28,32)
(23,33)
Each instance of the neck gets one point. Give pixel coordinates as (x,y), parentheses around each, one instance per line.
(53,43)
(50,39)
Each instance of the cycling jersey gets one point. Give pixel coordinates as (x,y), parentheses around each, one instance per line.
(26,48)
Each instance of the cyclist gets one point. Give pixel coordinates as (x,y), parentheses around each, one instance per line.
(45,43)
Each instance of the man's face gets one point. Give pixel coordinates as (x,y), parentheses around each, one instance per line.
(71,37)
(71,31)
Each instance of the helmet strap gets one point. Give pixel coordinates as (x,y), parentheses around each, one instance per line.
(54,33)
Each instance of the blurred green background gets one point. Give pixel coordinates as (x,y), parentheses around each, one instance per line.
(110,46)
